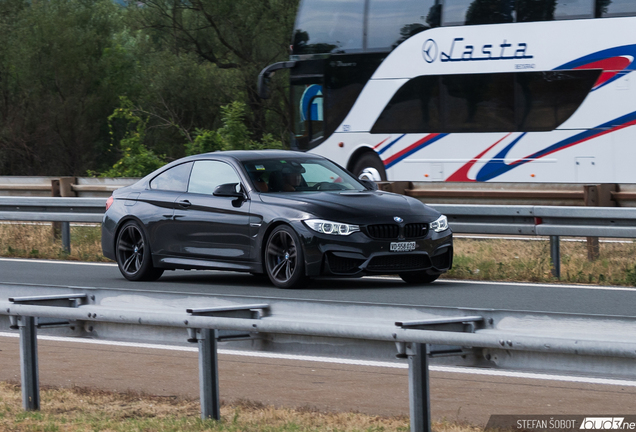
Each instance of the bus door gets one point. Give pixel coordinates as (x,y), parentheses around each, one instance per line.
(307,111)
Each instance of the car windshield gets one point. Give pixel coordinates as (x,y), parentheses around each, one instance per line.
(299,175)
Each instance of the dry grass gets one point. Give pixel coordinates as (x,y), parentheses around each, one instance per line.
(505,260)
(77,409)
(517,260)
(36,241)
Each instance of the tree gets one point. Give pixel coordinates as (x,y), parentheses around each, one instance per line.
(238,36)
(61,74)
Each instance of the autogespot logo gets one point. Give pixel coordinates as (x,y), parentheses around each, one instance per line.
(429,51)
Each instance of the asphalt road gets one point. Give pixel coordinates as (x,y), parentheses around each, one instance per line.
(579,299)
(462,397)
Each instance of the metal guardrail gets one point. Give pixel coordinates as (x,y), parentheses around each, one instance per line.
(53,209)
(541,220)
(488,337)
(552,221)
(561,194)
(554,194)
(84,187)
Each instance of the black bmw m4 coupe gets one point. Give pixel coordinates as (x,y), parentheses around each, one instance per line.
(288,215)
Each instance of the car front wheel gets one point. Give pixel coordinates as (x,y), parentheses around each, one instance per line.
(133,254)
(284,260)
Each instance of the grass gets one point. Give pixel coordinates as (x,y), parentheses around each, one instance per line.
(476,259)
(529,261)
(78,409)
(36,241)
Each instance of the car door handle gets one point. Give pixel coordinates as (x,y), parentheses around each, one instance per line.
(184,204)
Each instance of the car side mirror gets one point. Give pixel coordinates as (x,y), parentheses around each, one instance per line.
(233,190)
(369,184)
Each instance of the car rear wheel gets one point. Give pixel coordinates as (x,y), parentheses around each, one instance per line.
(133,254)
(418,277)
(284,260)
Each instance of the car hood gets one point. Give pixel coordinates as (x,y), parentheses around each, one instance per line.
(355,207)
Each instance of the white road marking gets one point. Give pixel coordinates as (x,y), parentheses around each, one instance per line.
(487,237)
(42,261)
(517,284)
(335,360)
(525,285)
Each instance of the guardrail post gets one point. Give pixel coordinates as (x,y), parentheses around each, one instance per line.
(419,390)
(208,374)
(29,341)
(66,190)
(29,363)
(555,254)
(417,353)
(592,198)
(56,227)
(66,237)
(208,356)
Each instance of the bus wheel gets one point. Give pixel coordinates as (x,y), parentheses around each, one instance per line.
(369,167)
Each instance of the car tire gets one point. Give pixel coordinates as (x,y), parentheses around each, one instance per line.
(370,164)
(133,254)
(284,259)
(418,277)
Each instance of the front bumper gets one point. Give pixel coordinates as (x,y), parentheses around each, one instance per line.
(359,255)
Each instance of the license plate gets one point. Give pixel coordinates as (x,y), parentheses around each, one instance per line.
(402,246)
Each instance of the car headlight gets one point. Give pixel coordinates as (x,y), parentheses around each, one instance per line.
(329,227)
(441,224)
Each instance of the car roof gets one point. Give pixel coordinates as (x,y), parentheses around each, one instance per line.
(236,155)
(244,155)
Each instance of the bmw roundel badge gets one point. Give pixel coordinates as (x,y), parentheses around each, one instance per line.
(398,219)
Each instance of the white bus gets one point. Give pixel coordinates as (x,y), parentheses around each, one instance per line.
(467,90)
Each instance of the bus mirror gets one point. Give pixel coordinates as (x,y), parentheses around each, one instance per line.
(266,74)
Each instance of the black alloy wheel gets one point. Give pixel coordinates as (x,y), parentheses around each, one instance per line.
(284,260)
(133,254)
(419,277)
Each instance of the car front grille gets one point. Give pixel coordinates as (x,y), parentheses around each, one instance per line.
(415,230)
(399,262)
(385,231)
(392,231)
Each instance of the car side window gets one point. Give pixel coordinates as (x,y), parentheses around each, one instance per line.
(174,179)
(207,175)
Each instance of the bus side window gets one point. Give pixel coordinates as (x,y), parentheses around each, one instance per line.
(454,12)
(571,9)
(473,12)
(503,102)
(609,8)
(535,10)
(548,10)
(388,25)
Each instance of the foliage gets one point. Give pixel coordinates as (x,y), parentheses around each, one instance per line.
(60,74)
(136,160)
(64,64)
(233,135)
(238,37)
